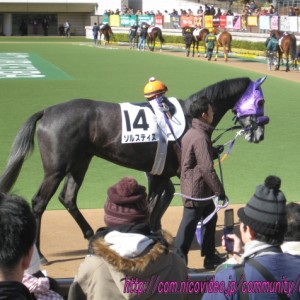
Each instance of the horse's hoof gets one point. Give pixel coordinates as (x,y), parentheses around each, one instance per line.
(88,234)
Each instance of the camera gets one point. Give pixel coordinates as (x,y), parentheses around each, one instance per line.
(228,228)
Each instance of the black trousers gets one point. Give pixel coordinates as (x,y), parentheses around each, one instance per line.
(186,231)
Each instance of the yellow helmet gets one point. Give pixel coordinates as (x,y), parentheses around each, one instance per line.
(154,87)
(188,30)
(211,30)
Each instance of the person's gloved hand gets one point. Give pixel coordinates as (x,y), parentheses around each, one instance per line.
(220,148)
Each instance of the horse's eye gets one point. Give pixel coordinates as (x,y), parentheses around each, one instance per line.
(260,103)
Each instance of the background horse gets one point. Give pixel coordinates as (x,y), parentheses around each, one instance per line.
(106,31)
(198,35)
(70,134)
(288,47)
(151,37)
(224,40)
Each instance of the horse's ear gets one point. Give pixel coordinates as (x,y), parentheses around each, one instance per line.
(260,81)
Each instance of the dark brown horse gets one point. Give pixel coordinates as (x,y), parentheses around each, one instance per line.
(224,40)
(153,34)
(198,36)
(106,31)
(70,134)
(288,47)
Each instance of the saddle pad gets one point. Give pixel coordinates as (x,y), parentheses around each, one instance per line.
(197,31)
(139,123)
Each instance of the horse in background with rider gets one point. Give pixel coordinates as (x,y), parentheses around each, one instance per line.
(193,36)
(148,35)
(288,46)
(105,31)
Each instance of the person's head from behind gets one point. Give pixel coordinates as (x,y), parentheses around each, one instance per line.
(18,232)
(264,217)
(126,204)
(202,109)
(293,219)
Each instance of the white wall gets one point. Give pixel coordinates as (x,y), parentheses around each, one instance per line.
(108,4)
(155,5)
(149,5)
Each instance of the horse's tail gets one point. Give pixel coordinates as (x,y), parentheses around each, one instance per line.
(22,147)
(160,37)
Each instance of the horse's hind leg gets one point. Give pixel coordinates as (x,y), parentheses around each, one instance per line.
(40,202)
(68,195)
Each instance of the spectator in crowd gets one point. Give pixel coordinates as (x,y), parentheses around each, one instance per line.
(263,224)
(291,242)
(206,10)
(18,232)
(291,12)
(95,30)
(117,12)
(126,251)
(174,13)
(272,11)
(212,10)
(219,13)
(272,49)
(252,6)
(138,12)
(142,37)
(190,12)
(200,11)
(296,10)
(199,180)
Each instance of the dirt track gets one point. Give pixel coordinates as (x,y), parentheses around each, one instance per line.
(64,246)
(62,241)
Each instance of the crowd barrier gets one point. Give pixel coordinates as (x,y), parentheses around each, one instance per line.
(231,23)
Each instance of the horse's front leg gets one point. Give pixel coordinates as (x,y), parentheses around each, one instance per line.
(161,191)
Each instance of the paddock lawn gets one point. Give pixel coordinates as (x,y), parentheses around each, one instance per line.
(79,70)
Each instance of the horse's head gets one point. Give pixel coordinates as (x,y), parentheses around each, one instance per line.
(249,111)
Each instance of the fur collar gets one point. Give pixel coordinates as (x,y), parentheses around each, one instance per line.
(132,265)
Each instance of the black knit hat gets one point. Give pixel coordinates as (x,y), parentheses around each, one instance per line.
(126,203)
(265,212)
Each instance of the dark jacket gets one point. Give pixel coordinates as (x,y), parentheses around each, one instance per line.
(198,176)
(282,266)
(13,290)
(272,45)
(188,39)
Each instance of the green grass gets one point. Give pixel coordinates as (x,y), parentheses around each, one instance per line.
(119,75)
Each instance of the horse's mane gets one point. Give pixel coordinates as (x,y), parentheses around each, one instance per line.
(229,90)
